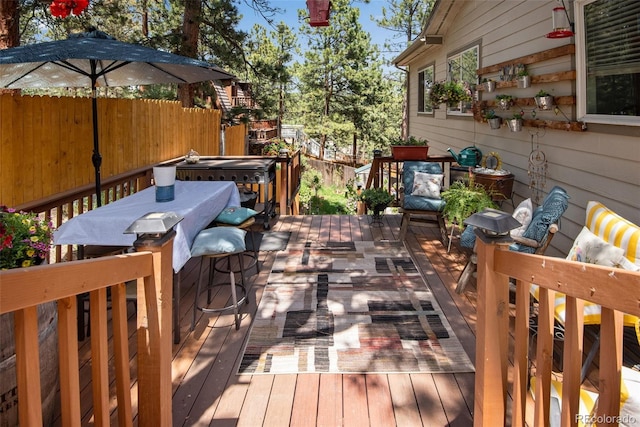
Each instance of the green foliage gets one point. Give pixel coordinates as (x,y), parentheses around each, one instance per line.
(373,197)
(450,92)
(517,116)
(412,140)
(542,93)
(505,97)
(465,199)
(274,146)
(490,114)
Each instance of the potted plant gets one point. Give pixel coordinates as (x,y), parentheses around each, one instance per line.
(376,199)
(523,78)
(515,122)
(25,241)
(463,199)
(544,100)
(275,147)
(504,101)
(457,92)
(494,121)
(411,148)
(489,85)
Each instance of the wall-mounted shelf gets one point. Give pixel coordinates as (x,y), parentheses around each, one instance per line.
(526,102)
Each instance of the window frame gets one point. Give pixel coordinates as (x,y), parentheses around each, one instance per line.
(423,93)
(581,76)
(468,112)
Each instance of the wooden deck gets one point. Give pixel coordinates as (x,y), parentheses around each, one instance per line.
(207,390)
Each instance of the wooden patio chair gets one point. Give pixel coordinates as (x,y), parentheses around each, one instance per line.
(421,197)
(535,239)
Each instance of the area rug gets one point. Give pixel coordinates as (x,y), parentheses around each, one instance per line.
(349,307)
(268,241)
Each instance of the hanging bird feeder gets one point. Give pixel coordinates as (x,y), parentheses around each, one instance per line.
(562,27)
(319,12)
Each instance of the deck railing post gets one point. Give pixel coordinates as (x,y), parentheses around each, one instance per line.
(154,333)
(491,338)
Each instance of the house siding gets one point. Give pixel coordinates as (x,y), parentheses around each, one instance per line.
(598,164)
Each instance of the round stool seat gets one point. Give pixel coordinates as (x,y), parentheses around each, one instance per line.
(245,225)
(213,244)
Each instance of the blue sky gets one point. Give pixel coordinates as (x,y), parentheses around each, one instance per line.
(290,17)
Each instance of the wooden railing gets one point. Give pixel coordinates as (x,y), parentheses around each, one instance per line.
(63,206)
(288,183)
(24,289)
(580,282)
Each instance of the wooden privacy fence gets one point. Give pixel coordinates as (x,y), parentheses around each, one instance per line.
(24,289)
(579,282)
(46,142)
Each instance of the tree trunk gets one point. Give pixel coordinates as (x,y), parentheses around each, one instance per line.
(189,47)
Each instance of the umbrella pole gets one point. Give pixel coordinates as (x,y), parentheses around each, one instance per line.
(96,158)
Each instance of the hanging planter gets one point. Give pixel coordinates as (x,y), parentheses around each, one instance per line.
(495,122)
(319,12)
(489,85)
(544,101)
(515,123)
(504,101)
(524,81)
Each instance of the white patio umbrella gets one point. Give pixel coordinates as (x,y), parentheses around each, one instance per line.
(95,59)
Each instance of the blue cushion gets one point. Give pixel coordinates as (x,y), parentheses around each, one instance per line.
(468,237)
(235,215)
(219,240)
(553,207)
(422,203)
(409,168)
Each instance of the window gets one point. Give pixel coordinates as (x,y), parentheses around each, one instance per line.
(463,67)
(608,61)
(425,80)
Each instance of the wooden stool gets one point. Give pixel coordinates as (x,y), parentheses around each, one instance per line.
(219,243)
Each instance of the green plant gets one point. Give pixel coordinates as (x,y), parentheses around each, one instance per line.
(451,92)
(412,140)
(25,239)
(522,72)
(376,197)
(274,146)
(464,199)
(542,93)
(490,114)
(517,116)
(505,97)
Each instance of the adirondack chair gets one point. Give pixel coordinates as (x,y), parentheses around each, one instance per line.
(534,240)
(422,184)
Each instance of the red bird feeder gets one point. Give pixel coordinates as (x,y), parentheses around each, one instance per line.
(319,12)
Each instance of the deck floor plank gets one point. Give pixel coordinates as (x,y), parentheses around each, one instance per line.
(330,402)
(379,401)
(355,406)
(280,401)
(305,401)
(405,406)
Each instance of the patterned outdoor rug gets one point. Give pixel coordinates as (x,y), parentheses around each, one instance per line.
(348,307)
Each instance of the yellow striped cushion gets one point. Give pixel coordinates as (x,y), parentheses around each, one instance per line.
(614,229)
(587,400)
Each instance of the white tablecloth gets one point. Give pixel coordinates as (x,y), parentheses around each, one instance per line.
(199,202)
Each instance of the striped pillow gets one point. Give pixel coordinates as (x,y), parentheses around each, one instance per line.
(614,229)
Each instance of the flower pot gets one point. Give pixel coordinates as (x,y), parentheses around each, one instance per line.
(495,123)
(489,86)
(544,102)
(504,104)
(515,125)
(524,82)
(410,152)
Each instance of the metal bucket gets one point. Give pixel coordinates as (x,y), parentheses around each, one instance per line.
(48,343)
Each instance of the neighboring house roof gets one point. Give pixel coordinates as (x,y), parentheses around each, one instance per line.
(440,18)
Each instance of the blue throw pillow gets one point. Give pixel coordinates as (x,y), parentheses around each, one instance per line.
(235,215)
(219,240)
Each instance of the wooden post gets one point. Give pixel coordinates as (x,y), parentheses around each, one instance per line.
(491,339)
(155,300)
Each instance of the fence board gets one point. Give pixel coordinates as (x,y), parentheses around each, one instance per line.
(46,142)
